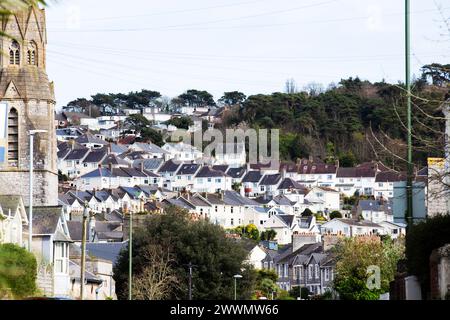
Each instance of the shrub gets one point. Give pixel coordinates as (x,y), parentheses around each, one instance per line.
(335,214)
(307,213)
(17,272)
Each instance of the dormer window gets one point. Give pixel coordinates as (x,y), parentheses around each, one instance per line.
(14,53)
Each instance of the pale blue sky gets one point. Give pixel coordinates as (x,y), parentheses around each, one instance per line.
(252,46)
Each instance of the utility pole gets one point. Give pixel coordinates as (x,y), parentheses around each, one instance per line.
(409,182)
(130,259)
(83,250)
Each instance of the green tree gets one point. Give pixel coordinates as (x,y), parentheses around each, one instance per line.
(216,258)
(335,214)
(268,235)
(233,98)
(196,98)
(181,122)
(151,135)
(252,232)
(307,213)
(354,256)
(347,160)
(18,269)
(137,122)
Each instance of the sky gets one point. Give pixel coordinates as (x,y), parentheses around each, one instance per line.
(252,46)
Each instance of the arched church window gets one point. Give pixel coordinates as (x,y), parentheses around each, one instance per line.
(14,53)
(13,138)
(32,53)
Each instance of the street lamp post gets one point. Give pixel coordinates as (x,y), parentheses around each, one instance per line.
(130,259)
(83,249)
(236,276)
(30,204)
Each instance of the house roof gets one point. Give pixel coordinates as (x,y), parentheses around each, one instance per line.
(316,168)
(99,172)
(289,183)
(270,179)
(149,164)
(361,223)
(375,205)
(112,159)
(95,156)
(108,251)
(90,138)
(150,148)
(287,219)
(75,272)
(77,154)
(10,202)
(45,219)
(236,172)
(188,168)
(206,172)
(222,167)
(234,198)
(169,166)
(389,176)
(252,176)
(118,148)
(357,172)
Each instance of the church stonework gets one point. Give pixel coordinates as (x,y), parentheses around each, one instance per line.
(27,102)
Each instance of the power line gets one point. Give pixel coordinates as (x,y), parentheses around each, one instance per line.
(191,26)
(238,4)
(211,22)
(234,58)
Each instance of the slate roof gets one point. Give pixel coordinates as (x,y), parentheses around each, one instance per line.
(149,164)
(362,223)
(77,154)
(206,172)
(99,172)
(75,272)
(10,202)
(356,172)
(236,173)
(389,176)
(289,183)
(150,148)
(45,219)
(270,179)
(95,156)
(75,230)
(234,198)
(90,138)
(108,251)
(169,166)
(188,168)
(316,168)
(287,219)
(112,159)
(252,176)
(222,167)
(375,205)
(117,148)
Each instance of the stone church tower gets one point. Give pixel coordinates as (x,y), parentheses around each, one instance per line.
(27,102)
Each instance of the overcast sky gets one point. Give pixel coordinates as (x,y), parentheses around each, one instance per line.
(253,46)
